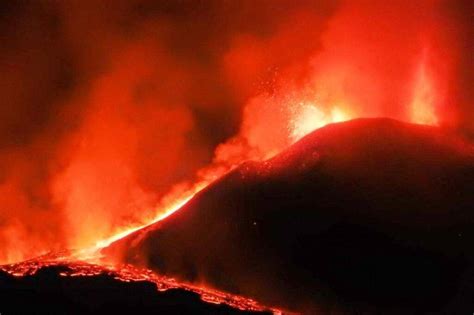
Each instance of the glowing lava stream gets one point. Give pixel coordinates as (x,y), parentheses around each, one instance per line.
(92,253)
(106,242)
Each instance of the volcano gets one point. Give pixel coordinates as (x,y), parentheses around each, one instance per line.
(232,157)
(370,215)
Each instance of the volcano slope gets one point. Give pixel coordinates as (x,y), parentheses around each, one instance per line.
(368,215)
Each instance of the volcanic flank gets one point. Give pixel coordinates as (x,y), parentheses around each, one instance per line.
(368,215)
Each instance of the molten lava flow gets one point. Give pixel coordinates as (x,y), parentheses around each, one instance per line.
(163,214)
(127,273)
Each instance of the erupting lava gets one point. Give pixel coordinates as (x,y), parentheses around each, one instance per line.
(310,118)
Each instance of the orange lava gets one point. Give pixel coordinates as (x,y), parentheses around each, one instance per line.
(128,273)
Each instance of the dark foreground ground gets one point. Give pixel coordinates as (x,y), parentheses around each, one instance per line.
(46,292)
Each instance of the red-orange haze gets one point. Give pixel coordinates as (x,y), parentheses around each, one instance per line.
(114,111)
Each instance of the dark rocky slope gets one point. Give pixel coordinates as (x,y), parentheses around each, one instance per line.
(48,291)
(368,215)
